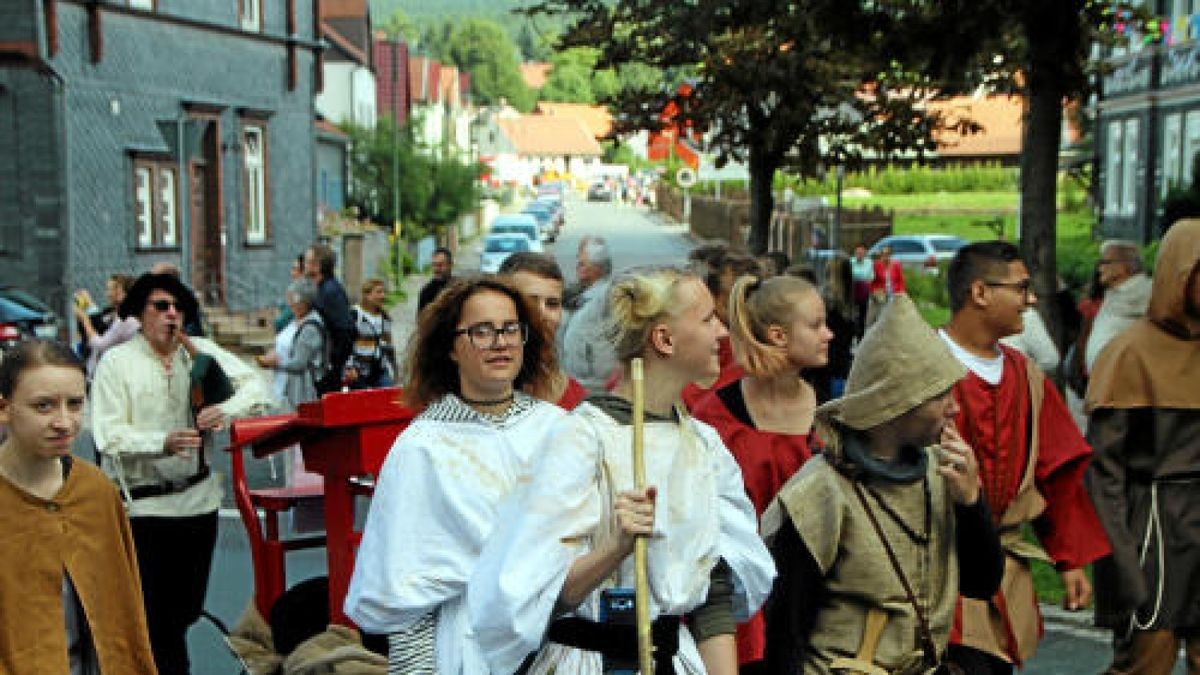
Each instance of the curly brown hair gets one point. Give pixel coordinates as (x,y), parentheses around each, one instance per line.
(431,373)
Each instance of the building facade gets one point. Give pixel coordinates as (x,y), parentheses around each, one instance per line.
(1148,122)
(140,131)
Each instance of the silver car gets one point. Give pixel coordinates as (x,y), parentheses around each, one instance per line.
(497,248)
(920,250)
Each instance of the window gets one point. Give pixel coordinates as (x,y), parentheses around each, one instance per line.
(147,5)
(1129,163)
(156,202)
(1191,143)
(250,14)
(1172,154)
(254,154)
(1112,169)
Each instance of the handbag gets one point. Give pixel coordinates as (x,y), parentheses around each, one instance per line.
(931,662)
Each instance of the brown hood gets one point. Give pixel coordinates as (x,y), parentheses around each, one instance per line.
(1155,363)
(1177,258)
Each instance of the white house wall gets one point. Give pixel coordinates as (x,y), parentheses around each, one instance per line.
(348,94)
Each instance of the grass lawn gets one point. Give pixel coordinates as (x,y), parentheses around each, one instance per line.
(984,201)
(1071,225)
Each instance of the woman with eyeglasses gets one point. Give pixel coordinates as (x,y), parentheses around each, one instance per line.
(545,581)
(475,348)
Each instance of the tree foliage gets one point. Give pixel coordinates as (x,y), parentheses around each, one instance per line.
(774,83)
(483,49)
(433,190)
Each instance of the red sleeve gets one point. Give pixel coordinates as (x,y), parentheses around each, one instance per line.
(1069,529)
(573,395)
(898,278)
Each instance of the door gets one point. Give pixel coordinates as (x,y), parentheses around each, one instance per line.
(208,254)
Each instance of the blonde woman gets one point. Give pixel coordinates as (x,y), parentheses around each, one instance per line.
(536,593)
(778,330)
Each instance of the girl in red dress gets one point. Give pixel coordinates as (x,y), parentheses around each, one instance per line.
(777,328)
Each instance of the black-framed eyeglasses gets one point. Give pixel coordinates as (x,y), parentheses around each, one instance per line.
(485,335)
(1024,286)
(164,305)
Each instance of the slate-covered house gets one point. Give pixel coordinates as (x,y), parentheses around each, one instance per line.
(137,131)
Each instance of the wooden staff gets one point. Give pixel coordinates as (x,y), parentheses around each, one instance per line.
(640,563)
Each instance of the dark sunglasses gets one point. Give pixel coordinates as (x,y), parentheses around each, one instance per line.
(164,305)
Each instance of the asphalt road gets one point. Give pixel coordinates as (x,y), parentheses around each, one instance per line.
(635,237)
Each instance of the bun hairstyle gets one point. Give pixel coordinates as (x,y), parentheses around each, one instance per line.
(754,306)
(638,299)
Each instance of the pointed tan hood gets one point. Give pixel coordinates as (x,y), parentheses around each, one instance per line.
(1177,258)
(901,363)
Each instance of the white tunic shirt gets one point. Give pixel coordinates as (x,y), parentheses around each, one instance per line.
(436,502)
(136,403)
(702,515)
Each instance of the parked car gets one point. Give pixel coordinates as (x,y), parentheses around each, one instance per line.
(599,192)
(560,211)
(497,248)
(520,223)
(920,250)
(23,316)
(546,216)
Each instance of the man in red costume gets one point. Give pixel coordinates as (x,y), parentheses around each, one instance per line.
(1031,455)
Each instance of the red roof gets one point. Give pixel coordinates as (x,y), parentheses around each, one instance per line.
(346,46)
(596,118)
(535,74)
(393,94)
(1001,119)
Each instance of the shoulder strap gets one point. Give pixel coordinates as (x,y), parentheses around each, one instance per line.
(928,646)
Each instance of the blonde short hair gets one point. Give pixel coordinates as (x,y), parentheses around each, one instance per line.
(637,300)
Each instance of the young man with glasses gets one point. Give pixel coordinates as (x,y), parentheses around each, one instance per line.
(1031,459)
(151,443)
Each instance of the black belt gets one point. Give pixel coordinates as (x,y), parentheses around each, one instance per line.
(168,487)
(618,642)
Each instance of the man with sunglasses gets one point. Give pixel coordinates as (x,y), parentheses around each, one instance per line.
(1031,459)
(151,443)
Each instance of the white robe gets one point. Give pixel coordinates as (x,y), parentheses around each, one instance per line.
(702,515)
(435,503)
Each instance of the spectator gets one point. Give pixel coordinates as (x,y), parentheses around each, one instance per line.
(773,263)
(440,490)
(587,355)
(1126,295)
(334,308)
(863,269)
(151,444)
(1031,458)
(284,316)
(374,361)
(888,525)
(722,269)
(888,281)
(1144,423)
(1089,306)
(538,278)
(441,269)
(116,331)
(72,599)
(101,318)
(1034,341)
(303,362)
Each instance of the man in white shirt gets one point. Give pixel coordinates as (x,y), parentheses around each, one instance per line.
(151,443)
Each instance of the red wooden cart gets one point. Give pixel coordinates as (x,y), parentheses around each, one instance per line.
(345,438)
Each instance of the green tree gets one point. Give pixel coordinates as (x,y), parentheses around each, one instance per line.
(398,25)
(432,190)
(797,83)
(1042,51)
(483,49)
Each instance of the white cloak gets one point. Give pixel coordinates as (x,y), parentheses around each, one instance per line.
(435,504)
(702,515)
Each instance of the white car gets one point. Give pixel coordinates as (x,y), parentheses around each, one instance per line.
(497,248)
(520,223)
(920,250)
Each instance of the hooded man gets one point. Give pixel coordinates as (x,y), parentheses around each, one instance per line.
(1144,425)
(875,538)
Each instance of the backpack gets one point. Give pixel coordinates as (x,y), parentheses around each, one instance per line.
(326,377)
